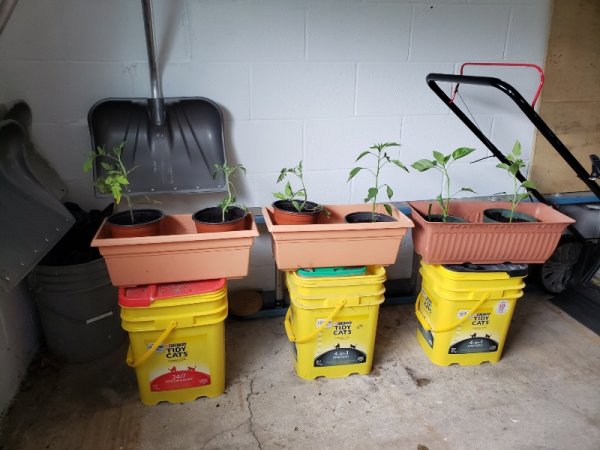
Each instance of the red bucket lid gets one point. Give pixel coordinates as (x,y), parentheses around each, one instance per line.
(144,296)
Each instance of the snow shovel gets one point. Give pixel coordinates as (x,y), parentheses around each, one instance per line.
(173,143)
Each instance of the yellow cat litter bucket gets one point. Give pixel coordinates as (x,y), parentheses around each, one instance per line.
(332,321)
(464,311)
(177,339)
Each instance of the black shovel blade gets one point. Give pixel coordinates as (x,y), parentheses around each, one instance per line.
(174,157)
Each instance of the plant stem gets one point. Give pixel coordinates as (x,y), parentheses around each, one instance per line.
(130,206)
(303,192)
(376,186)
(446,205)
(514,200)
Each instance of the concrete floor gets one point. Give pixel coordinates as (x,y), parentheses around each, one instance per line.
(544,393)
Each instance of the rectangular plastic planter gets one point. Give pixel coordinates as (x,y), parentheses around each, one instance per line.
(179,253)
(486,243)
(333,242)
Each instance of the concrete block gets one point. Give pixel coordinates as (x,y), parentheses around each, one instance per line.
(405,185)
(328,186)
(344,31)
(422,135)
(486,180)
(392,89)
(261,187)
(22,40)
(528,33)
(87,83)
(335,143)
(459,32)
(224,83)
(247,31)
(42,84)
(267,145)
(509,128)
(113,30)
(297,90)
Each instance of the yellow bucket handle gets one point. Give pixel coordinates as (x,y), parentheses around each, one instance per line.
(152,349)
(288,324)
(427,327)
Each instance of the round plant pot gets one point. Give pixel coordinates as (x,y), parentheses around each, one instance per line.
(284,213)
(210,220)
(495,215)
(440,218)
(146,222)
(367,217)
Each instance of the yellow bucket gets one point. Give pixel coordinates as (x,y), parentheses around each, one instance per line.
(332,322)
(177,339)
(464,316)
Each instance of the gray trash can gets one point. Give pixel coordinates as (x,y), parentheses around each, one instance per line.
(79,310)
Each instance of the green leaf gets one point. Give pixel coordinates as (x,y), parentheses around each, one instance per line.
(522,196)
(106,166)
(88,164)
(462,152)
(439,157)
(116,192)
(422,165)
(516,150)
(288,190)
(513,169)
(528,184)
(100,150)
(446,159)
(366,152)
(399,164)
(372,193)
(388,208)
(279,195)
(390,193)
(353,172)
(122,180)
(502,166)
(296,205)
(281,176)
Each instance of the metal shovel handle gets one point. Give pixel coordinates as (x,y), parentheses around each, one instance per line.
(156,102)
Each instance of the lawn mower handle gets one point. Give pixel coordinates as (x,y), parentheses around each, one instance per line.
(516,97)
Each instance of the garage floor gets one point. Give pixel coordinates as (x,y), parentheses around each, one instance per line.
(544,393)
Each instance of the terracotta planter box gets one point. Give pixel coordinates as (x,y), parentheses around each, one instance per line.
(179,253)
(486,243)
(332,242)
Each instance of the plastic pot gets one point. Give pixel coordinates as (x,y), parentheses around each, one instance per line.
(210,220)
(286,214)
(146,222)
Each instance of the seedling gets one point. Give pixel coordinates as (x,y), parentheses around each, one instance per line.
(379,152)
(230,199)
(442,163)
(515,164)
(116,175)
(297,198)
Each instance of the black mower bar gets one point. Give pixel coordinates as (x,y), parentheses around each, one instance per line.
(523,106)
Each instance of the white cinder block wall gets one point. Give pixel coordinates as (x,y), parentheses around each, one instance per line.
(313,80)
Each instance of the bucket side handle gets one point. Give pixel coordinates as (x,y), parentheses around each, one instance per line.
(152,349)
(427,327)
(309,337)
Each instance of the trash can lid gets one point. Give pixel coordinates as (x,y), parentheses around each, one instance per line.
(144,296)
